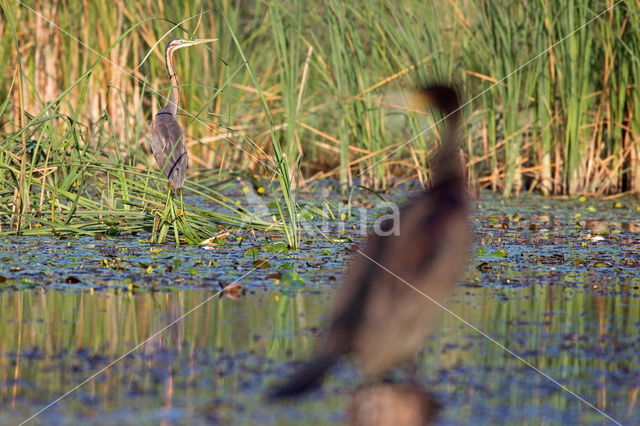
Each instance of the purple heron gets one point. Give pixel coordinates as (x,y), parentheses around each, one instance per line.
(380,317)
(165,134)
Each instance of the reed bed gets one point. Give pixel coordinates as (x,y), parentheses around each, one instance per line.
(294,92)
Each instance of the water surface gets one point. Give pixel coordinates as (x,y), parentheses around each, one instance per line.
(551,284)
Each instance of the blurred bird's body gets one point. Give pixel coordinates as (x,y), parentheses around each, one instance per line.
(388,301)
(427,256)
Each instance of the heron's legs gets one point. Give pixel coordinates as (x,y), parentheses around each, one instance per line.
(158,212)
(162,218)
(166,203)
(172,217)
(182,210)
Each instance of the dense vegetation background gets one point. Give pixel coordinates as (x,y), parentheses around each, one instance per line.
(300,90)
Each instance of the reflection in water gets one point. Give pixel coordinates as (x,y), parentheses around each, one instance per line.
(16,370)
(233,291)
(158,351)
(392,405)
(214,364)
(197,369)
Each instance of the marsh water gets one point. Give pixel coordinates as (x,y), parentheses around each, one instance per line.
(544,327)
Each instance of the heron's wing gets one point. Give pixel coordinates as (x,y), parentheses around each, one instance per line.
(169,150)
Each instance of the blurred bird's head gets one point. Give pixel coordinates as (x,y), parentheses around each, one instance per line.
(441,97)
(417,100)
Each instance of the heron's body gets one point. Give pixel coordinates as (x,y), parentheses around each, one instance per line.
(384,309)
(168,147)
(165,134)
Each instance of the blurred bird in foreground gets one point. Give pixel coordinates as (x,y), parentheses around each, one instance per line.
(388,301)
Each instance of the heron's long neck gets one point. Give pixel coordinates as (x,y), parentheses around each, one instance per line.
(174,95)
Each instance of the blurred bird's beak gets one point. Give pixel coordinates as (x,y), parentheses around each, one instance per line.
(407,99)
(418,99)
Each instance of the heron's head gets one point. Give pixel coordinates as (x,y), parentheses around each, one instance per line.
(179,43)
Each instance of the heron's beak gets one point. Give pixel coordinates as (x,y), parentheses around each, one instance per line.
(198,41)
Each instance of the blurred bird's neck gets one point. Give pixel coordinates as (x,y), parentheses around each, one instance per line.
(174,95)
(448,163)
